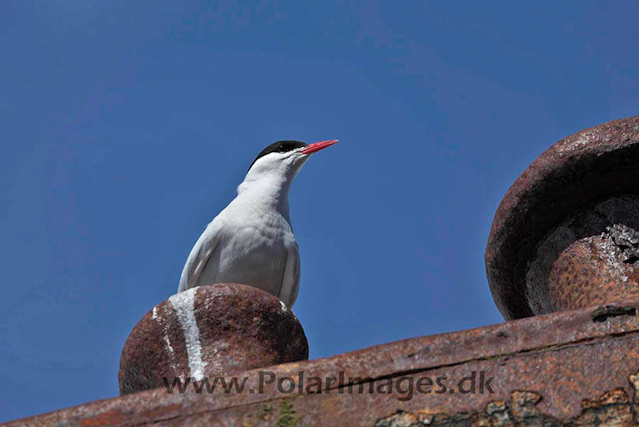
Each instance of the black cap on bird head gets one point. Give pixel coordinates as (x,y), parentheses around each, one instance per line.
(279,147)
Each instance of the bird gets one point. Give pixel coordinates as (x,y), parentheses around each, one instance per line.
(251,241)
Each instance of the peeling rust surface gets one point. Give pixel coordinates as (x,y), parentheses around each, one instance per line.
(590,271)
(573,175)
(590,258)
(613,408)
(564,367)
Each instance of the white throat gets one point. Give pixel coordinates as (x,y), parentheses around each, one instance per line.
(266,186)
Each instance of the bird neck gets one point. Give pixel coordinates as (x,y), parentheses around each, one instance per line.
(267,191)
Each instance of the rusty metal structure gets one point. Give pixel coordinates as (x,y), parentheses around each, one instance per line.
(246,328)
(562,261)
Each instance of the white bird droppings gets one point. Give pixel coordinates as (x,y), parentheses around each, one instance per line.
(165,326)
(169,347)
(184,305)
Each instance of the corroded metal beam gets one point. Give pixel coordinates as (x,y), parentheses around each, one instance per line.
(569,367)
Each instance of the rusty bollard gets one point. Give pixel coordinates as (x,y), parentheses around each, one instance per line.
(566,235)
(209,331)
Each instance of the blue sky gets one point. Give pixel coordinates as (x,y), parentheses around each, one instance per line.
(126,127)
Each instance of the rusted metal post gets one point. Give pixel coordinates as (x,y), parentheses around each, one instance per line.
(566,235)
(210,331)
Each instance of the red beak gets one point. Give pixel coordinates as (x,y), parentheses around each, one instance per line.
(312,148)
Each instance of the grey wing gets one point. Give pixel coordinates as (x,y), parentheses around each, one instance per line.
(200,256)
(291,277)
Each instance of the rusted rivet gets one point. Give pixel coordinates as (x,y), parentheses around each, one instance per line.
(566,234)
(209,331)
